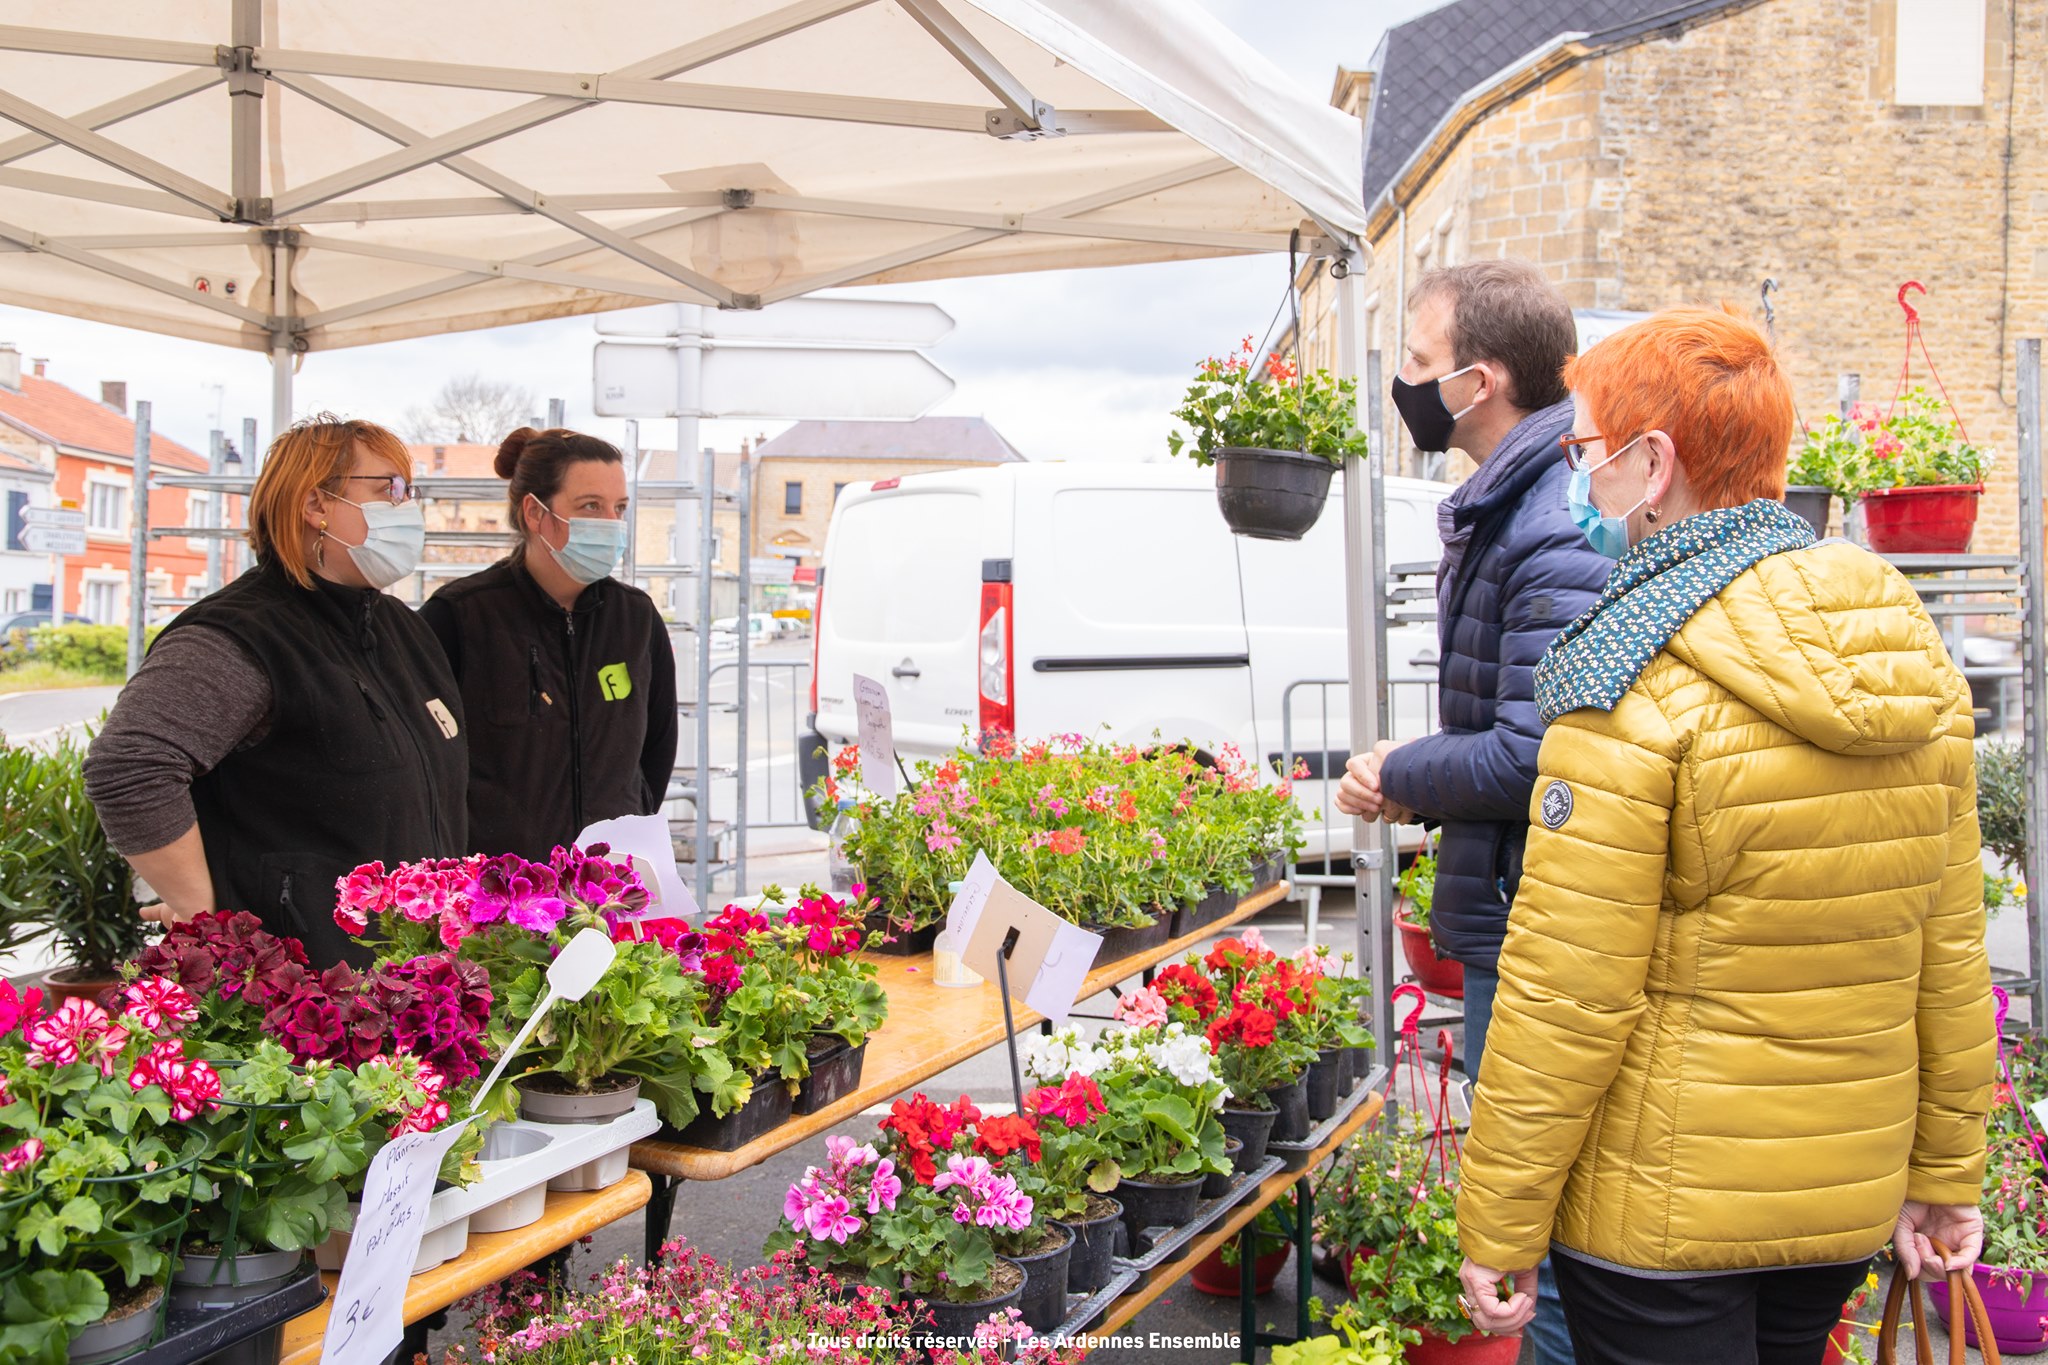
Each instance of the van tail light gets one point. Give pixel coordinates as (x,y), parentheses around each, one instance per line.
(997,687)
(817,638)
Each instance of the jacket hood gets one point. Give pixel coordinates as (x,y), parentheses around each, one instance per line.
(1832,644)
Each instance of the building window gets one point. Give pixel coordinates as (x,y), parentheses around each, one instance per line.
(16,600)
(837,489)
(792,499)
(198,512)
(100,600)
(106,507)
(1938,52)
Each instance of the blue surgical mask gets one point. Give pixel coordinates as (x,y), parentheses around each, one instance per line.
(1607,535)
(593,548)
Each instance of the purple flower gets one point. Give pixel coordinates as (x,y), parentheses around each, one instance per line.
(512,888)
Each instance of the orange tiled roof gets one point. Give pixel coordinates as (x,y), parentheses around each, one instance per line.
(458,460)
(76,422)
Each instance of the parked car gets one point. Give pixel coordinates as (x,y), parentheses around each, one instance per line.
(1054,598)
(14,631)
(761,627)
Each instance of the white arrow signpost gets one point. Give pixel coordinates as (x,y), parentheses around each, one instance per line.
(54,531)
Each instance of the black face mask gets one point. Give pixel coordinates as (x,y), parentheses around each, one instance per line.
(1423,412)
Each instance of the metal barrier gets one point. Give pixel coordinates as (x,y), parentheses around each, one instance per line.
(762,797)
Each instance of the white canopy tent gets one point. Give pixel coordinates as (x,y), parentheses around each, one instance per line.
(302,176)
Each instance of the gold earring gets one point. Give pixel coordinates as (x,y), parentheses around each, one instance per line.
(1651,514)
(320,555)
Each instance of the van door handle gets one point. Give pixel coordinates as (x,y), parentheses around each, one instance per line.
(906,669)
(1421,659)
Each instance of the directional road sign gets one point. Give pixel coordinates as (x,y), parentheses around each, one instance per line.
(69,517)
(54,540)
(784,383)
(818,322)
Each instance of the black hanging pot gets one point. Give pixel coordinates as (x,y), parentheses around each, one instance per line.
(1271,494)
(1811,501)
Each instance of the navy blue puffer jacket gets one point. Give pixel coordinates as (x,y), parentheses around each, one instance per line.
(1526,572)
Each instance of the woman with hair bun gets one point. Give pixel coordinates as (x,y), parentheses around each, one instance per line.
(566,673)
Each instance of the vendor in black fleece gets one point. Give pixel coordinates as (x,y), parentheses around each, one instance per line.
(566,673)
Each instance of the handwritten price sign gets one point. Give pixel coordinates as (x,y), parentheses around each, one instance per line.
(368,1318)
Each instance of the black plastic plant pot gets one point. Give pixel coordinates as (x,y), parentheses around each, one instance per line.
(1271,494)
(1122,941)
(1358,1060)
(953,1324)
(768,1109)
(1253,1128)
(1156,1204)
(1811,503)
(1095,1241)
(901,942)
(835,1074)
(1217,1184)
(1045,1282)
(1216,902)
(1292,1102)
(1326,1083)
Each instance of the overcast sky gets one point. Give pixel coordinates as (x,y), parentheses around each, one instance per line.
(1081,364)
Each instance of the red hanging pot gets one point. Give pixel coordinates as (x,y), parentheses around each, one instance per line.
(1471,1349)
(1211,1276)
(1437,975)
(1933,520)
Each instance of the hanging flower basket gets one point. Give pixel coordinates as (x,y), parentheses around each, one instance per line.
(1437,975)
(1935,519)
(1271,494)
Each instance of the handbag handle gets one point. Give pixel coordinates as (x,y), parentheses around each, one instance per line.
(1962,1296)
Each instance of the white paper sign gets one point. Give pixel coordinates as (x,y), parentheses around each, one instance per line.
(968,900)
(367,1320)
(877,737)
(2040,1111)
(645,839)
(1049,960)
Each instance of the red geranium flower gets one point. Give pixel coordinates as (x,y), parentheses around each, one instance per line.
(1006,1133)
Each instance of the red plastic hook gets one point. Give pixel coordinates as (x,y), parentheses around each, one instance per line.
(1443,1042)
(1412,1024)
(1912,313)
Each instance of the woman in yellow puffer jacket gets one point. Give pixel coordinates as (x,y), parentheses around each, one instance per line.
(1744,1030)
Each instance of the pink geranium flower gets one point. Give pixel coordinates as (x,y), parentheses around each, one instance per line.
(832,1219)
(79,1031)
(160,1004)
(361,894)
(192,1085)
(22,1157)
(885,1188)
(1141,1008)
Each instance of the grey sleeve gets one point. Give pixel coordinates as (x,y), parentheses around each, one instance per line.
(196,699)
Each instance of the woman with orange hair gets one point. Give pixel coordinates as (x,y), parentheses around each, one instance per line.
(1744,1030)
(300,721)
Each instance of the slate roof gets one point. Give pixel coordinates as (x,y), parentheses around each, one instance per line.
(961,440)
(1425,66)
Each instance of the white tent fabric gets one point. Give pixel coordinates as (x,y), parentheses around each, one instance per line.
(434,167)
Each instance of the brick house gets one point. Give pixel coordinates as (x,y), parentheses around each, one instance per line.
(1650,153)
(88,447)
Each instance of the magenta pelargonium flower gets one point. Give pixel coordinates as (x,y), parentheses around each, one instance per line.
(832,1219)
(160,1004)
(990,1200)
(589,877)
(885,1188)
(22,1157)
(79,1031)
(511,888)
(362,894)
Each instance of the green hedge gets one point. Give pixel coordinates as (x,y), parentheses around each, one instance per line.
(101,651)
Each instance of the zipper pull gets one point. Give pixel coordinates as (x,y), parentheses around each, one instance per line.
(533,688)
(375,709)
(284,896)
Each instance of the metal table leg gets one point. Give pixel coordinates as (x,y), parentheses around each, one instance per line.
(661,1207)
(1247,1296)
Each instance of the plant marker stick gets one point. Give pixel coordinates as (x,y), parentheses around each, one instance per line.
(1009,1020)
(574,971)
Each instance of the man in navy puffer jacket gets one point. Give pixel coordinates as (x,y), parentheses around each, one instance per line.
(1485,349)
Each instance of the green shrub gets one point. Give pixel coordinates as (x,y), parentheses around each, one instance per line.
(61,873)
(101,651)
(2002,802)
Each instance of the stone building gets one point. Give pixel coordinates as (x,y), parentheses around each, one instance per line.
(1647,153)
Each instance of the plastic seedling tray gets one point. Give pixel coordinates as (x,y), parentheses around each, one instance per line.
(1294,1155)
(190,1337)
(1164,1242)
(569,1146)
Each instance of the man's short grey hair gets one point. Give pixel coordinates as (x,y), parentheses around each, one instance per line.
(1508,312)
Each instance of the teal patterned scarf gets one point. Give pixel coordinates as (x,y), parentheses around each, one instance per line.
(1654,590)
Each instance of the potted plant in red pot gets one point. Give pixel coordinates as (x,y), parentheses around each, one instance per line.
(1275,439)
(1272,1234)
(1416,888)
(1920,479)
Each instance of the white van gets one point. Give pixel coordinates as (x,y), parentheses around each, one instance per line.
(1056,598)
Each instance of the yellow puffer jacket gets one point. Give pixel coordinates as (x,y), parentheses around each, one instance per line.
(1744,1005)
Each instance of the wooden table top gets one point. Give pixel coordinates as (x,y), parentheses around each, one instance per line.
(930,1028)
(491,1256)
(1162,1278)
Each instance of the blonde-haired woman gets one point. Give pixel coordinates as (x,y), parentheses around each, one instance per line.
(300,721)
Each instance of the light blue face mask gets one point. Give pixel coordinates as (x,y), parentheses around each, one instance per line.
(1607,535)
(593,548)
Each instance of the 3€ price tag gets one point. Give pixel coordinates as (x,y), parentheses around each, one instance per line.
(367,1318)
(877,737)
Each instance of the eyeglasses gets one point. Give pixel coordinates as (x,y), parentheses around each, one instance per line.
(395,486)
(1574,448)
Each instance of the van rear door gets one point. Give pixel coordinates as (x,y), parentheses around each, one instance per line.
(902,590)
(1127,607)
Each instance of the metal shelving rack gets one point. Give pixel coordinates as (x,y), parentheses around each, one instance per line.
(692,779)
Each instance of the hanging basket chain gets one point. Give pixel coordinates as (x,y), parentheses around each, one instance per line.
(1915,337)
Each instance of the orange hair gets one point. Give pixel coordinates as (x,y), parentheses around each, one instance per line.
(312,454)
(1708,380)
